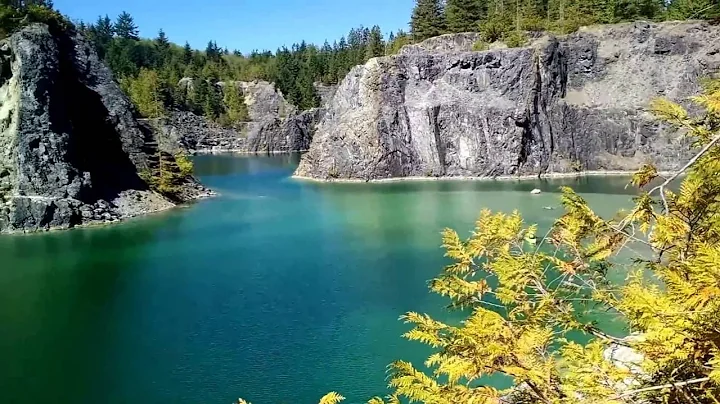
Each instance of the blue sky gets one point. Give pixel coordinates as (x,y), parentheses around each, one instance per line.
(247,24)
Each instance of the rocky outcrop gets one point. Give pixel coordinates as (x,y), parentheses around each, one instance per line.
(561,105)
(70,147)
(275,125)
(326,92)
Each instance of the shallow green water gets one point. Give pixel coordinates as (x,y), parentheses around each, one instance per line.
(278,291)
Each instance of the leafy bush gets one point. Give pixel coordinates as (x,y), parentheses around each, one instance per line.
(13,17)
(515,39)
(184,164)
(493,30)
(480,45)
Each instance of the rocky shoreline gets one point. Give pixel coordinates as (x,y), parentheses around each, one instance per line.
(529,177)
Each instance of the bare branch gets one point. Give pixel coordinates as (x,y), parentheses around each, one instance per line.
(664,386)
(692,161)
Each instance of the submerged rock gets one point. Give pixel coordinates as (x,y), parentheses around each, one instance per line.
(562,105)
(70,147)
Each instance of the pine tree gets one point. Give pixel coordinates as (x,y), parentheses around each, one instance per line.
(376,45)
(187,56)
(163,46)
(146,93)
(236,109)
(101,34)
(463,15)
(125,27)
(427,19)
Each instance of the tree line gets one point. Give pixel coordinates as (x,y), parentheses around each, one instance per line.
(151,70)
(503,19)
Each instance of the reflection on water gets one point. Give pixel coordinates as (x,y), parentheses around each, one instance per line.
(276,291)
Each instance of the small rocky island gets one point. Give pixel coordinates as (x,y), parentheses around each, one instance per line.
(566,104)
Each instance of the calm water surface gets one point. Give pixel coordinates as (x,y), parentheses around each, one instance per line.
(277,291)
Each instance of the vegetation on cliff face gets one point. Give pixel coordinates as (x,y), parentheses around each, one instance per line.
(499,18)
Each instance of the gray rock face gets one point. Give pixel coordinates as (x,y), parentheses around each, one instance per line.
(562,105)
(275,125)
(326,92)
(70,148)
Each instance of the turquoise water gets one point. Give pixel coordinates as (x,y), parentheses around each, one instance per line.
(277,291)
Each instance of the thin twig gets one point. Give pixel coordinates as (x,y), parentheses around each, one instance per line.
(664,386)
(692,161)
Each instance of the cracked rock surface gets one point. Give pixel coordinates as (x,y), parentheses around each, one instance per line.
(561,105)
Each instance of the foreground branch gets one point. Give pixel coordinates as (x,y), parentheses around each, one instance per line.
(692,161)
(664,386)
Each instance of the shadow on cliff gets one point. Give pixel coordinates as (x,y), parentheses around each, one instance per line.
(95,144)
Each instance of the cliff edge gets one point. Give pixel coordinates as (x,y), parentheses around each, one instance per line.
(567,104)
(71,150)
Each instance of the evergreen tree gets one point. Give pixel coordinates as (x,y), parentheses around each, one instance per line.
(427,19)
(146,93)
(463,15)
(101,34)
(199,95)
(163,46)
(236,109)
(376,45)
(187,56)
(125,27)
(694,9)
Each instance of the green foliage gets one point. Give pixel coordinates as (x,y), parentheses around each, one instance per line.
(145,91)
(694,9)
(427,19)
(168,175)
(17,14)
(396,42)
(125,27)
(480,45)
(184,164)
(236,108)
(376,45)
(463,15)
(515,39)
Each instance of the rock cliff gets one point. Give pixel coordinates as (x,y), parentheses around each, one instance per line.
(70,147)
(275,125)
(561,105)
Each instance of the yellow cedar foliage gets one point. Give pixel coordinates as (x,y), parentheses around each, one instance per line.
(519,326)
(331,398)
(524,297)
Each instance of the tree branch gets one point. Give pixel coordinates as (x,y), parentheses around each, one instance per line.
(664,386)
(692,161)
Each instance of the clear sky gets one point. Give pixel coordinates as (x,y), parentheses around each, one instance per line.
(247,24)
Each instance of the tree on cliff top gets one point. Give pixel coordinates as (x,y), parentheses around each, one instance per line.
(463,15)
(427,19)
(125,27)
(525,293)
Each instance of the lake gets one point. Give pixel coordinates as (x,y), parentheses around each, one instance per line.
(277,291)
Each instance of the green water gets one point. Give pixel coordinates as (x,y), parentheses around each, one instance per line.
(277,291)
